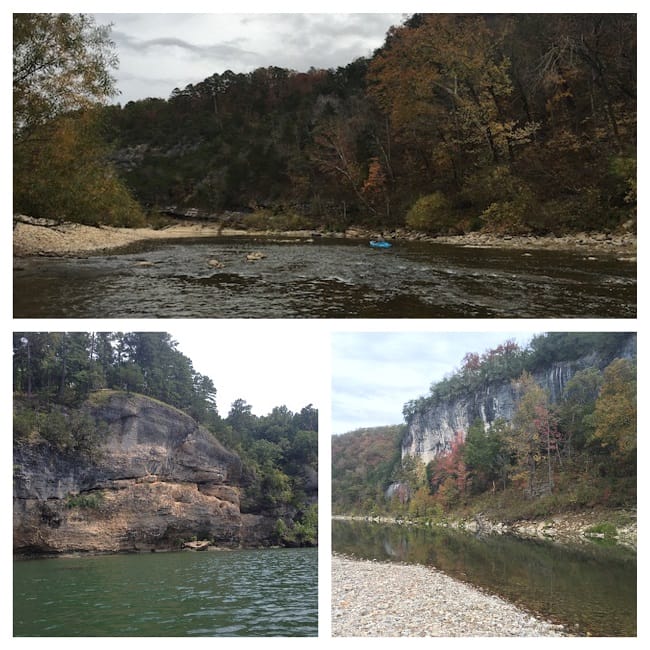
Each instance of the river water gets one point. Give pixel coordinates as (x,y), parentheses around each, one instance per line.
(271,592)
(324,278)
(591,590)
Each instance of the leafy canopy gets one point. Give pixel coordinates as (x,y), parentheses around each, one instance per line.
(62,62)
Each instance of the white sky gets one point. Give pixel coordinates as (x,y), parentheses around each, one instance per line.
(366,376)
(265,363)
(160,52)
(375,373)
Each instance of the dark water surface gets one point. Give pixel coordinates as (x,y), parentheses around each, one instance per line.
(591,590)
(324,279)
(271,592)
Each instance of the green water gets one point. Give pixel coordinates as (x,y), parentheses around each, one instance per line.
(271,592)
(591,590)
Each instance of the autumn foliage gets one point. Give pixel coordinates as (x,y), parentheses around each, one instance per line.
(576,450)
(506,123)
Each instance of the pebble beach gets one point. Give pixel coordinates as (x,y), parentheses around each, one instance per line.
(377,599)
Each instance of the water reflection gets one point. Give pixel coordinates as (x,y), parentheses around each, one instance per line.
(591,589)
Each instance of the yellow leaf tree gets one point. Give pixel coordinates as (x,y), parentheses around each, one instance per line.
(615,413)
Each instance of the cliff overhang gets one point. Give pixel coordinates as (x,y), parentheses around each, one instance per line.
(155,480)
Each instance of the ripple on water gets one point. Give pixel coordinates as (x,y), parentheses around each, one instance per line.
(256,593)
(335,279)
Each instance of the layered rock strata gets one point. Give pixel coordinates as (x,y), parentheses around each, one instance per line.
(157,478)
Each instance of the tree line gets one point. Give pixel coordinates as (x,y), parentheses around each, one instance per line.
(509,360)
(508,123)
(578,451)
(55,373)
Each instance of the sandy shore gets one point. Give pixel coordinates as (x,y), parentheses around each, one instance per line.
(71,239)
(388,600)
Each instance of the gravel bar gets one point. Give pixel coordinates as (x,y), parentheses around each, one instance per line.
(378,599)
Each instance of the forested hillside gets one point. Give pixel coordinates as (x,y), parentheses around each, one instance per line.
(57,375)
(362,465)
(572,450)
(522,123)
(507,123)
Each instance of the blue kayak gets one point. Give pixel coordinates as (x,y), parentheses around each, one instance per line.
(380,244)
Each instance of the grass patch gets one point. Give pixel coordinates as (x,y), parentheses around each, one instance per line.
(605,529)
(91,501)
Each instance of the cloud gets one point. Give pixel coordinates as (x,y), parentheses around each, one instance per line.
(191,47)
(210,51)
(375,373)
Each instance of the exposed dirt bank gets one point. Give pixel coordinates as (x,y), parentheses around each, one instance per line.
(33,237)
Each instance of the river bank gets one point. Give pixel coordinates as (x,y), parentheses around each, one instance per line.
(385,599)
(590,526)
(33,237)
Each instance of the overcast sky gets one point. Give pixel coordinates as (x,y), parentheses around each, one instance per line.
(367,376)
(265,363)
(374,373)
(160,52)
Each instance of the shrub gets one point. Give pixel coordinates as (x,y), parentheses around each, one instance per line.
(26,423)
(63,172)
(623,170)
(430,213)
(92,501)
(504,217)
(266,220)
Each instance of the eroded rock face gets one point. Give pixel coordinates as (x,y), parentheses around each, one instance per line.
(158,479)
(432,430)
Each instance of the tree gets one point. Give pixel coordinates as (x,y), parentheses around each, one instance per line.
(485,454)
(375,189)
(447,474)
(577,406)
(335,151)
(62,63)
(446,85)
(615,412)
(241,419)
(528,429)
(61,171)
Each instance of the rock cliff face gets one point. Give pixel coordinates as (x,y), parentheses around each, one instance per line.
(431,431)
(157,478)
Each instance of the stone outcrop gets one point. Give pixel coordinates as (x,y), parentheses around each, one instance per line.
(156,480)
(431,430)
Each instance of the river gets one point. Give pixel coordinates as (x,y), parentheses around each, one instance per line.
(591,590)
(271,592)
(323,278)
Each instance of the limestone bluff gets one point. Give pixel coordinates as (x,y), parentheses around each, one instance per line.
(432,427)
(156,479)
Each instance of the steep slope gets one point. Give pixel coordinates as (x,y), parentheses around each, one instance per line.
(431,429)
(156,478)
(362,465)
